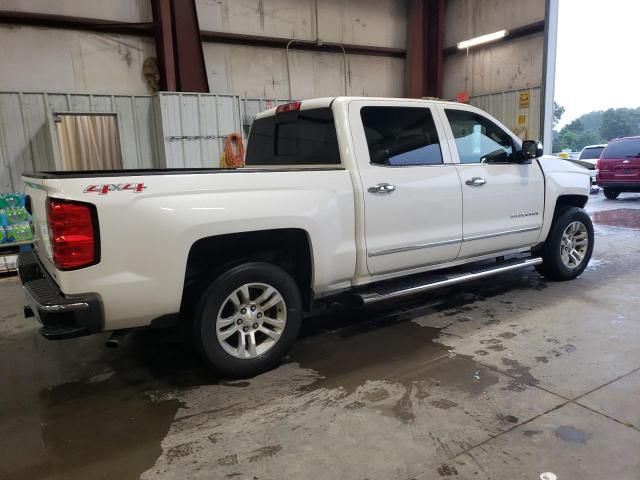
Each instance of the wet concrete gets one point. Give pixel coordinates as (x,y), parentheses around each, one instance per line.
(620,217)
(501,379)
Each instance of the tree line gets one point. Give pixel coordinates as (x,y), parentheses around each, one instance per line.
(594,127)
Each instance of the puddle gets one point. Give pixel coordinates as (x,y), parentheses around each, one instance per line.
(572,434)
(73,410)
(622,217)
(387,346)
(101,430)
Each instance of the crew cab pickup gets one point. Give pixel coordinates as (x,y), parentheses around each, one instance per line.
(358,199)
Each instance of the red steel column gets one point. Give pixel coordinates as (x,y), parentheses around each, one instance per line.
(425,41)
(414,76)
(434,36)
(191,73)
(164,44)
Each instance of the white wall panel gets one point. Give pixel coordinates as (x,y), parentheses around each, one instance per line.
(121,10)
(274,18)
(262,73)
(41,59)
(507,66)
(366,22)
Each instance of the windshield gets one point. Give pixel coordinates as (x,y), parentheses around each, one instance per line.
(591,153)
(629,147)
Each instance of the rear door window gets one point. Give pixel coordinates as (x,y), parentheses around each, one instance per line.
(304,137)
(591,153)
(628,148)
(401,136)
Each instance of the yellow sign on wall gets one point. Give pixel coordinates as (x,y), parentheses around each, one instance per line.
(524,99)
(522,119)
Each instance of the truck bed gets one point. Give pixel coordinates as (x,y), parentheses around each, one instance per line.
(164,171)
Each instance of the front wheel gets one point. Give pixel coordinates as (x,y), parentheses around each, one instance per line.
(568,248)
(611,194)
(248,319)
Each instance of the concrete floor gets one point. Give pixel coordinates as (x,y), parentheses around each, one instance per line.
(506,378)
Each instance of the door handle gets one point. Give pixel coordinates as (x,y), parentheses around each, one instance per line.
(382,188)
(476,182)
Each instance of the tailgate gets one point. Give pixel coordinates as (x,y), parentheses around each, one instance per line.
(627,169)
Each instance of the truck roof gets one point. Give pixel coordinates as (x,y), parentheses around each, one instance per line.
(327,101)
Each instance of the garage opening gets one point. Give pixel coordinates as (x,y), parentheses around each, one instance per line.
(88,142)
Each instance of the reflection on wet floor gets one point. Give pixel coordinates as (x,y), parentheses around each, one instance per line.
(74,411)
(621,217)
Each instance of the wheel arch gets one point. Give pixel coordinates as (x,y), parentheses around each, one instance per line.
(564,201)
(288,248)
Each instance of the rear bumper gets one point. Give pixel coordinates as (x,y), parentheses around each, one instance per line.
(61,316)
(620,186)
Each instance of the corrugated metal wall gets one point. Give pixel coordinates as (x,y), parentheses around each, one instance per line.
(28,140)
(505,106)
(173,130)
(193,126)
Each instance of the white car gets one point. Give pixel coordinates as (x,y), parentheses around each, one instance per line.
(589,158)
(365,199)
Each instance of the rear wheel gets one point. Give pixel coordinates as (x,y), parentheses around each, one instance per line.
(248,319)
(611,194)
(568,248)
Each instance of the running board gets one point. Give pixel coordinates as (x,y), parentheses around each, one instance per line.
(433,281)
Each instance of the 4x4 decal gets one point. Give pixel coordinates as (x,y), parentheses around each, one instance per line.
(115,187)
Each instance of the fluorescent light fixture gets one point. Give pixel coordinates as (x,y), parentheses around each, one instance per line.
(489,37)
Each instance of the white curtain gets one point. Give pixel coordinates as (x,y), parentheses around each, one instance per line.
(89,142)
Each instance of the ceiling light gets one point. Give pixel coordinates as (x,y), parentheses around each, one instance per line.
(489,37)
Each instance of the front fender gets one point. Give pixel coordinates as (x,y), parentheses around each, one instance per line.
(562,178)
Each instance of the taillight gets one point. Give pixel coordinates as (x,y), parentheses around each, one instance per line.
(72,232)
(598,164)
(289,107)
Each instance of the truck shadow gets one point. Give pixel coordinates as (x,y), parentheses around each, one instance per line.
(169,357)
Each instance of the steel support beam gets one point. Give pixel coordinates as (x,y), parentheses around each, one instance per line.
(549,74)
(164,44)
(281,43)
(414,66)
(191,72)
(434,37)
(425,38)
(75,23)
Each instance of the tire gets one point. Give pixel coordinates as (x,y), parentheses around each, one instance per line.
(557,264)
(224,318)
(610,194)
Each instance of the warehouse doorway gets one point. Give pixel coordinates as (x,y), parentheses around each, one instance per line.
(88,141)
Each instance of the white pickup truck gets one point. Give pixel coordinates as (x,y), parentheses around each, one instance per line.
(366,199)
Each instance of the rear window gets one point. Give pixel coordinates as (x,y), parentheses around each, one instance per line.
(591,153)
(623,149)
(305,137)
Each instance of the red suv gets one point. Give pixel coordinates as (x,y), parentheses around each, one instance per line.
(618,169)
